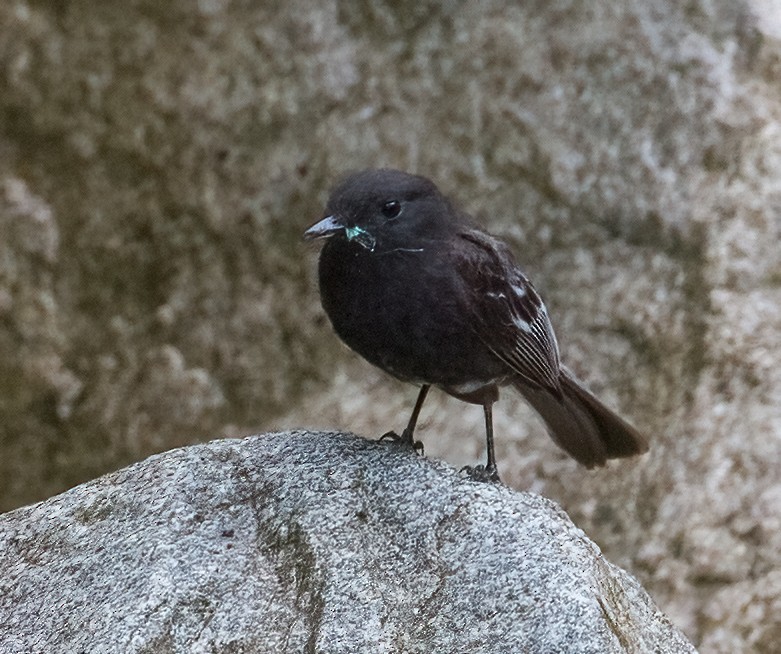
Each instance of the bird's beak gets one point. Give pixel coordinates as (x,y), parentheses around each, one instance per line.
(326,227)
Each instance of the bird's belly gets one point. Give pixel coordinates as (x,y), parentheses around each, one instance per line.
(412,324)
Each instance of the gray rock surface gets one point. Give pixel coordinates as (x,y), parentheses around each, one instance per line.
(159,161)
(310,542)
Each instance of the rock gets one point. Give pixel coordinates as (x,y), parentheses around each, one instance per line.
(317,542)
(159,161)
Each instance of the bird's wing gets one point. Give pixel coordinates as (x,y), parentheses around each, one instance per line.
(507,313)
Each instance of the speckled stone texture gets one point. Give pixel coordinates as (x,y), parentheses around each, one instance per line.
(310,542)
(159,162)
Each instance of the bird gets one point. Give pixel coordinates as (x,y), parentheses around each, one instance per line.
(412,284)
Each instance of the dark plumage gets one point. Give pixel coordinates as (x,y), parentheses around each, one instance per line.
(416,288)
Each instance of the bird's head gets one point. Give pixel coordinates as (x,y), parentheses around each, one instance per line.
(384,209)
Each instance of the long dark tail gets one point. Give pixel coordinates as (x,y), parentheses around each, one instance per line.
(581,425)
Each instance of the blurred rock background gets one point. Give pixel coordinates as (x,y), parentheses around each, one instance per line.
(159,161)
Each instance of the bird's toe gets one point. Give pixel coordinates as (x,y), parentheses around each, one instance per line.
(482,473)
(405,439)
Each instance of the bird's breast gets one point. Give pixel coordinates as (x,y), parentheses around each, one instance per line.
(406,312)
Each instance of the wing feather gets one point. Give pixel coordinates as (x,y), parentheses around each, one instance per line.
(509,316)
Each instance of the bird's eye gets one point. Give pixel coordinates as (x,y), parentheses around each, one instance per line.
(391,209)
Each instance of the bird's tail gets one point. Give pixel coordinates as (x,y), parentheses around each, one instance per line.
(581,425)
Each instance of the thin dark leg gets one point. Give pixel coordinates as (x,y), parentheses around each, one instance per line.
(407,436)
(488,472)
(490,467)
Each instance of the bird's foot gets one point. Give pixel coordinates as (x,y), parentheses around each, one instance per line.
(482,473)
(405,439)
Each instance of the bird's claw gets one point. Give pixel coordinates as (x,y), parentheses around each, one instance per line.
(482,474)
(404,439)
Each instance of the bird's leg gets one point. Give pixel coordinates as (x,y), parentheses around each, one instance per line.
(409,431)
(407,436)
(490,467)
(488,472)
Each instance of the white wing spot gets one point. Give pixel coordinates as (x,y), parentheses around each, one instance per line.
(522,324)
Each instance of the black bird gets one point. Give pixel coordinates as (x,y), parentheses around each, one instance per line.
(416,288)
